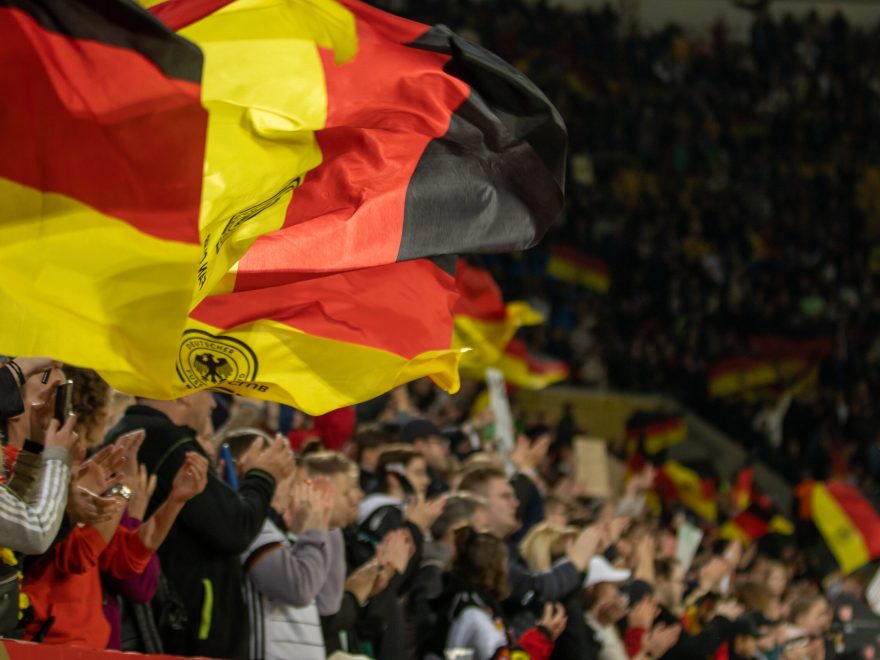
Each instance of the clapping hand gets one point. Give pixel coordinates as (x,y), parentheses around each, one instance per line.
(191,478)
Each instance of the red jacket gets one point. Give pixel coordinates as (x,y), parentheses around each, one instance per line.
(66,583)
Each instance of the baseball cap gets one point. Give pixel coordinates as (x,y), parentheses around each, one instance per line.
(601,570)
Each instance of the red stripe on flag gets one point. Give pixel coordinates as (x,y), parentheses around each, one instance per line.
(580,259)
(102,125)
(373,307)
(481,297)
(385,106)
(751,525)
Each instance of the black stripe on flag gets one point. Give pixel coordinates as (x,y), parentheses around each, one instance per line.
(119,23)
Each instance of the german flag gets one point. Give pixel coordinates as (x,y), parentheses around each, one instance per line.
(528,370)
(484,324)
(751,525)
(423,144)
(693,485)
(102,138)
(571,265)
(654,431)
(281,171)
(847,521)
(744,374)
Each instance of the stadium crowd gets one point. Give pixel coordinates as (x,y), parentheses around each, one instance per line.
(728,189)
(139,524)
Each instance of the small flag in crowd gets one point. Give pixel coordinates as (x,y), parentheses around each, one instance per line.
(349,176)
(750,526)
(484,324)
(654,431)
(745,374)
(529,370)
(571,265)
(694,485)
(848,522)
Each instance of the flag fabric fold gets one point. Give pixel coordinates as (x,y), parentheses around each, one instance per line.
(263,201)
(484,323)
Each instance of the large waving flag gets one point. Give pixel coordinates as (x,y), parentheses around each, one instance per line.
(338,146)
(102,139)
(484,323)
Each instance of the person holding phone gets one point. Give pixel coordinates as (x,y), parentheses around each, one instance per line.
(32,503)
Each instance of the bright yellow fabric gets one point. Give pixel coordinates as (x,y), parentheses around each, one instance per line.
(89,289)
(488,339)
(264,88)
(842,537)
(760,375)
(279,363)
(516,371)
(571,272)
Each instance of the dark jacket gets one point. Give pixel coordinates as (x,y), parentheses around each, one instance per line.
(577,640)
(201,556)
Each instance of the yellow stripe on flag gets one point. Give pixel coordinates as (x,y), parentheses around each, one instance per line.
(570,272)
(517,372)
(264,89)
(842,537)
(488,339)
(689,486)
(311,373)
(132,290)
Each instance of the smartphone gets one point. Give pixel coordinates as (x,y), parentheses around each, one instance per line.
(64,401)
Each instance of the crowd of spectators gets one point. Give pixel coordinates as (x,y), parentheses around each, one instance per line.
(729,187)
(191,527)
(732,189)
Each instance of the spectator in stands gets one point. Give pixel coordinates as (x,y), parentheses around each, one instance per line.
(64,585)
(201,556)
(473,617)
(427,439)
(296,565)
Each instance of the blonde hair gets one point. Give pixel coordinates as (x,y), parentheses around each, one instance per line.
(545,544)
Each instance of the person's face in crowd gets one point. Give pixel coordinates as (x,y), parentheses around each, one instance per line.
(671,592)
(417,475)
(817,620)
(501,505)
(777,579)
(347,496)
(556,515)
(34,391)
(198,410)
(745,645)
(435,449)
(369,458)
(667,544)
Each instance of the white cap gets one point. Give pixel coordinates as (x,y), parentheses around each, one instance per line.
(601,570)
